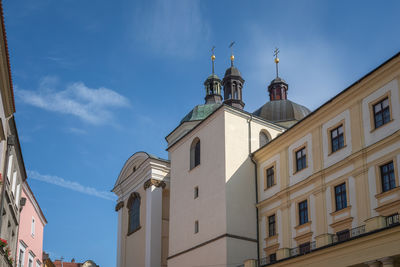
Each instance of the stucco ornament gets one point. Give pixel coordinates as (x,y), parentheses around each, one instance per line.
(155,182)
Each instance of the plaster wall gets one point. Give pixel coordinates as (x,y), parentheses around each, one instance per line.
(34,242)
(209,209)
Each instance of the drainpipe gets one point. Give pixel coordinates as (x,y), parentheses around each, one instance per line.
(256,183)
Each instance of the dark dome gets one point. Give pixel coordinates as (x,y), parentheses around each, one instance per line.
(282,110)
(278,80)
(200,112)
(232,71)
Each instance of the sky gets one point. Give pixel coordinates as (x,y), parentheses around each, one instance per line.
(97,81)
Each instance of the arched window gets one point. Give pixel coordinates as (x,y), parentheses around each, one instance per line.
(264,139)
(134,212)
(195,153)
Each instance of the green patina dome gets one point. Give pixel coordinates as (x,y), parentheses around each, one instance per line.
(200,112)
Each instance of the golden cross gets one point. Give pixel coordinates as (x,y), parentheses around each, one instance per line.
(276,52)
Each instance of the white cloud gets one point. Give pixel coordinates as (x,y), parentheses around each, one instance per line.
(171,27)
(91,105)
(55,180)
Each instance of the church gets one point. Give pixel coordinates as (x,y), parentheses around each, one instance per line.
(279,186)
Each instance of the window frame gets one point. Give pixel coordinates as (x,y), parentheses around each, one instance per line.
(372,111)
(302,210)
(133,206)
(267,184)
(331,138)
(342,201)
(266,135)
(196,192)
(271,225)
(393,172)
(302,158)
(33,226)
(22,248)
(195,153)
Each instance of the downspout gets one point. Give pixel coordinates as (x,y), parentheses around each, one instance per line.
(256,183)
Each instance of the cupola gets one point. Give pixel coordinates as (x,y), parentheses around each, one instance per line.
(233,84)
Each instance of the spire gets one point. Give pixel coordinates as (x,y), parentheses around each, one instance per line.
(276,52)
(233,84)
(213,84)
(232,56)
(278,87)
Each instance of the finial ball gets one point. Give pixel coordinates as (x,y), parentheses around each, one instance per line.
(276,60)
(232,57)
(212,57)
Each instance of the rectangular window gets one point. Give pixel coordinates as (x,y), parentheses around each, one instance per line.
(381,113)
(33,227)
(9,168)
(270,177)
(196,227)
(196,192)
(272,258)
(21,258)
(271,225)
(30,263)
(387,177)
(305,248)
(303,212)
(337,138)
(340,196)
(301,159)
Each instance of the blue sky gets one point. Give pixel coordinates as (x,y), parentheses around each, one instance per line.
(96,81)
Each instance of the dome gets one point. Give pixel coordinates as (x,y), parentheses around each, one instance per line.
(232,71)
(89,263)
(200,112)
(278,80)
(213,76)
(281,111)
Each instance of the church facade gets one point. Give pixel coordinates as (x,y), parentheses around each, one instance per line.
(253,188)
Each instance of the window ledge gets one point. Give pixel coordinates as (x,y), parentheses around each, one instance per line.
(375,129)
(334,152)
(267,188)
(303,225)
(386,193)
(297,172)
(134,231)
(337,212)
(195,167)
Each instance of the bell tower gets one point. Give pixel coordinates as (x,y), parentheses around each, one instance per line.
(278,87)
(233,84)
(213,85)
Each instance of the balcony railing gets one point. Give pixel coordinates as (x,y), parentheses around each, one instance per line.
(302,249)
(348,234)
(392,220)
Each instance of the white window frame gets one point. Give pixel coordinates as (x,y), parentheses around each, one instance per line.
(17,195)
(33,227)
(23,248)
(14,183)
(38,263)
(30,258)
(9,168)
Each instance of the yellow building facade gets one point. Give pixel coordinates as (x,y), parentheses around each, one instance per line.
(328,187)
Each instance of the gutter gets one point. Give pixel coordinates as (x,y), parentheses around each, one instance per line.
(256,183)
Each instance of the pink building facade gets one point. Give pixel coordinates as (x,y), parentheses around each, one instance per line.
(30,233)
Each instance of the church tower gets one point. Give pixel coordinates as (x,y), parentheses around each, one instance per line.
(233,84)
(213,86)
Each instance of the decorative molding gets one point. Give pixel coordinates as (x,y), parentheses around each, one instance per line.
(155,182)
(119,206)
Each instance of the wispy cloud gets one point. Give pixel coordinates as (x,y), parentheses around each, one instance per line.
(90,105)
(75,186)
(176,28)
(76,131)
